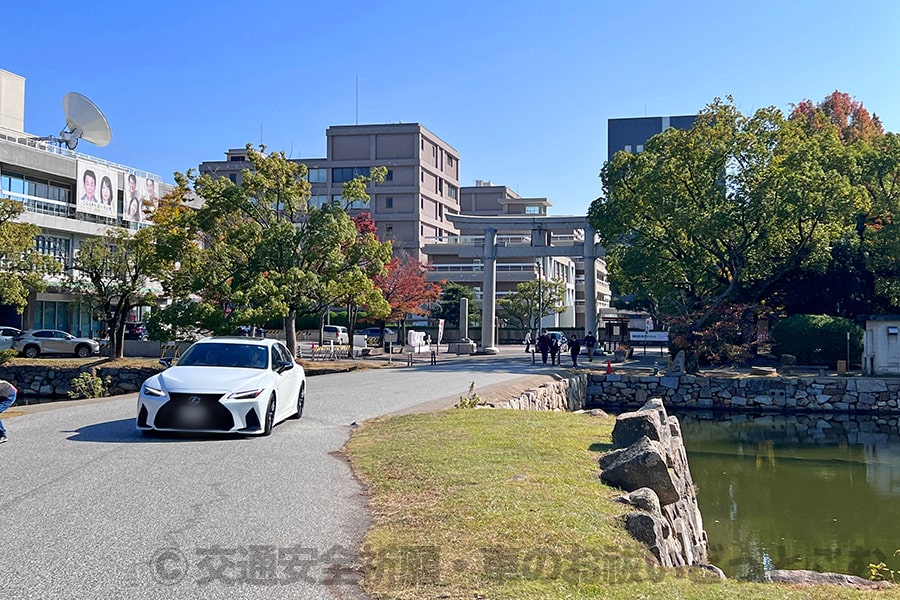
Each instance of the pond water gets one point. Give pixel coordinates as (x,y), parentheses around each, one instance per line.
(818,492)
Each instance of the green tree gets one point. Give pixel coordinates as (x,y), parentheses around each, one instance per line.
(723,211)
(449,304)
(531,302)
(22,268)
(112,273)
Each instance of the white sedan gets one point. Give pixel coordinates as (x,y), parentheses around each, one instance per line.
(224,384)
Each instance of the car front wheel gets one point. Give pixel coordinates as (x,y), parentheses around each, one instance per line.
(82,351)
(270,417)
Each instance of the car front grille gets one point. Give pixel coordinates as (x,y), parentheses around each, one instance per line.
(193,412)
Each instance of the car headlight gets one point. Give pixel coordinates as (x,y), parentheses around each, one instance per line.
(245,395)
(152,391)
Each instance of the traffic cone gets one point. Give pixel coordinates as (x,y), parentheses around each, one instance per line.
(608,367)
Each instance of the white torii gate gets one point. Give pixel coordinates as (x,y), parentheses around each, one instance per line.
(541,228)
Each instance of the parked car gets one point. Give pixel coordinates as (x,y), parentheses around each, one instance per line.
(375,332)
(336,334)
(136,331)
(224,384)
(7,334)
(34,342)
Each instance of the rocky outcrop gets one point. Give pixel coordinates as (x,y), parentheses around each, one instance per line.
(804,578)
(50,383)
(649,462)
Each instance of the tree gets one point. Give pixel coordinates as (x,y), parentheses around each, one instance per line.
(839,109)
(112,273)
(22,268)
(405,288)
(531,302)
(723,211)
(451,294)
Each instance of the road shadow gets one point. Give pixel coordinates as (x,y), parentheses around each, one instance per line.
(124,431)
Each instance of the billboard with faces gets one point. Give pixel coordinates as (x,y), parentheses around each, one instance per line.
(96,189)
(140,198)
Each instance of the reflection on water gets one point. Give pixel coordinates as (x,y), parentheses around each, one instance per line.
(818,492)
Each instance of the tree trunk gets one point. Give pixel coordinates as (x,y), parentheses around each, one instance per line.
(290,331)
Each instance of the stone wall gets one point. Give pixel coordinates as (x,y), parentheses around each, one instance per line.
(564,395)
(52,383)
(649,462)
(823,394)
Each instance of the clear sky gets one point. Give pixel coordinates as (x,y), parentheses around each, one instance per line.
(522,89)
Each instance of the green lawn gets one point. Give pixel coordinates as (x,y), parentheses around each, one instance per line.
(506,504)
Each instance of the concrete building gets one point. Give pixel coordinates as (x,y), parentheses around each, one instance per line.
(411,206)
(52,182)
(632,133)
(417,205)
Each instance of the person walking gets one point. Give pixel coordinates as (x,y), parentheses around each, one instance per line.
(589,342)
(554,351)
(527,342)
(544,344)
(574,350)
(7,397)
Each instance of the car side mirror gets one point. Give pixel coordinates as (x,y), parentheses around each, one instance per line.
(166,361)
(284,365)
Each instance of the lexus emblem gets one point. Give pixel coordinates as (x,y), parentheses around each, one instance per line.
(194,399)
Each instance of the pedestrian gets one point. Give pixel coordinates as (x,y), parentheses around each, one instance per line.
(554,351)
(527,342)
(574,350)
(589,342)
(7,398)
(544,344)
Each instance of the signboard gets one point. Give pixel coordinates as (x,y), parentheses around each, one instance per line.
(440,331)
(96,190)
(649,336)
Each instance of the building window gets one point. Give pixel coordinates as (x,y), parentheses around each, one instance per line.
(389,176)
(57,247)
(233,178)
(317,201)
(639,149)
(342,174)
(439,188)
(389,202)
(453,191)
(388,230)
(627,147)
(238,158)
(317,175)
(532,210)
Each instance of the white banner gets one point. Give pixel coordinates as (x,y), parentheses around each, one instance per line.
(649,336)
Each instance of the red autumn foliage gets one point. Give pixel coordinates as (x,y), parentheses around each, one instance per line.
(850,116)
(405,288)
(365,224)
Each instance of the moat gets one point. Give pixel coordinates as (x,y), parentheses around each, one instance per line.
(803,491)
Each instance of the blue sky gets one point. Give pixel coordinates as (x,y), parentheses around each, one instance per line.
(522,90)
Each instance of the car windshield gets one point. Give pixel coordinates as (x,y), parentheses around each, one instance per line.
(245,356)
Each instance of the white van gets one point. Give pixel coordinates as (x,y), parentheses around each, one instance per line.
(336,334)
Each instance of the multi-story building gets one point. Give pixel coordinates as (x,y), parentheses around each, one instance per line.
(416,204)
(71,196)
(631,134)
(412,204)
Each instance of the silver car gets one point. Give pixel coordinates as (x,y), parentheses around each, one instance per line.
(34,342)
(7,335)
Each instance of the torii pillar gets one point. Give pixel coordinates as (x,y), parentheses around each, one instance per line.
(489,292)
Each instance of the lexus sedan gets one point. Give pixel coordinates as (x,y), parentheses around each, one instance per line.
(224,385)
(34,342)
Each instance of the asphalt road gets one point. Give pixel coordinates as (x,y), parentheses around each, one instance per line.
(89,508)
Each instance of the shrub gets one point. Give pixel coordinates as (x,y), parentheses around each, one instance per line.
(817,339)
(88,385)
(470,400)
(5,355)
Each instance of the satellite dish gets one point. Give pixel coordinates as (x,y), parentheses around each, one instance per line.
(84,121)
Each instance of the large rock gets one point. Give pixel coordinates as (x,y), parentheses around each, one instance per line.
(801,577)
(649,462)
(643,464)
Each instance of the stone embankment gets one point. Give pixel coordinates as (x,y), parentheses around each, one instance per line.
(649,462)
(815,394)
(49,383)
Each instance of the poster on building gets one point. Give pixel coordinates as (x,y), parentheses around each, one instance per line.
(97,189)
(148,188)
(132,208)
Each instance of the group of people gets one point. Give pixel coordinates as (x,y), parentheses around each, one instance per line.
(550,346)
(90,188)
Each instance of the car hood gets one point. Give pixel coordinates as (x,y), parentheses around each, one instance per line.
(211,379)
